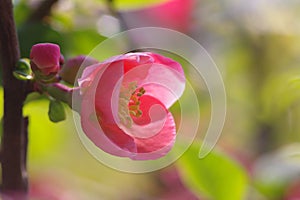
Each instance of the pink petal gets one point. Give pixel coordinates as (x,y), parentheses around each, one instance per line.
(103,137)
(152,120)
(91,71)
(100,127)
(109,82)
(160,143)
(133,60)
(162,77)
(89,74)
(169,63)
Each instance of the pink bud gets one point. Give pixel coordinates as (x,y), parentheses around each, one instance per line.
(45,57)
(69,70)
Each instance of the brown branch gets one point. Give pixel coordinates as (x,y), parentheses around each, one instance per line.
(113,10)
(43,10)
(124,27)
(14,139)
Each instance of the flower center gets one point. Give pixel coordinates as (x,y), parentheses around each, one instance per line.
(129,103)
(134,102)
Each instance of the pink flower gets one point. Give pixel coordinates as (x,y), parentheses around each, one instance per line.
(69,70)
(46,58)
(125,103)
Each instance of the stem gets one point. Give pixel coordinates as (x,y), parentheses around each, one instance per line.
(124,27)
(265,137)
(63,93)
(14,139)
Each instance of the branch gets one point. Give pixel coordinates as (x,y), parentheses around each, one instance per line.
(113,10)
(43,10)
(124,27)
(64,94)
(14,139)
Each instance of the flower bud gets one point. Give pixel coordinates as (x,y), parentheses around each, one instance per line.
(70,68)
(45,58)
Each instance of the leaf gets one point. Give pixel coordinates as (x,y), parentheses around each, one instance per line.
(33,33)
(21,11)
(22,76)
(23,70)
(280,93)
(216,176)
(56,111)
(135,4)
(82,41)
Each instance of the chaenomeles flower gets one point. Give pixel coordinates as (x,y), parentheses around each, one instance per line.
(45,58)
(125,101)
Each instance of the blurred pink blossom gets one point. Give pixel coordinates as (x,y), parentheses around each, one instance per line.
(173,14)
(174,189)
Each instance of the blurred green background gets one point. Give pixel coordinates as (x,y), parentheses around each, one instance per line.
(256,46)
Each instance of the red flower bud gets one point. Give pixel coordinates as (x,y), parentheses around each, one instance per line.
(45,57)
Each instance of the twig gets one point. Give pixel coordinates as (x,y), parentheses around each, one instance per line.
(124,27)
(43,10)
(112,9)
(64,94)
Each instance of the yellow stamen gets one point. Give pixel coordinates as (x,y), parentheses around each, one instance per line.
(129,103)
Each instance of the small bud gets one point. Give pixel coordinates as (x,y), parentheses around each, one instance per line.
(70,68)
(45,58)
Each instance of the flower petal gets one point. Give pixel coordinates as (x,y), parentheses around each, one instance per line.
(103,136)
(154,132)
(169,63)
(108,83)
(158,145)
(161,77)
(97,121)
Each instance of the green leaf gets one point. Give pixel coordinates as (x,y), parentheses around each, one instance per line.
(23,70)
(22,76)
(135,4)
(82,41)
(280,93)
(37,32)
(216,176)
(56,111)
(21,11)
